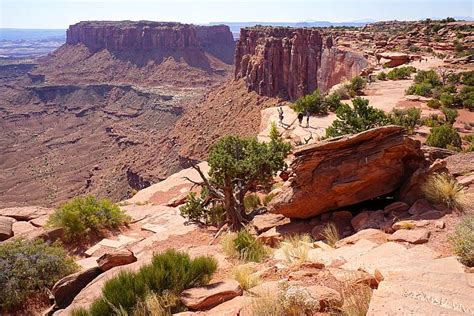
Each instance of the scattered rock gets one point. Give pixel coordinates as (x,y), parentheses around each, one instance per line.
(360,220)
(25,213)
(208,296)
(353,277)
(40,221)
(6,230)
(393,59)
(271,237)
(50,234)
(396,208)
(337,172)
(266,221)
(116,258)
(373,235)
(327,297)
(21,227)
(420,206)
(413,236)
(68,287)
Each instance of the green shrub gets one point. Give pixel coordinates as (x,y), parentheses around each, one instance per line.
(447,99)
(428,76)
(357,119)
(28,267)
(466,97)
(408,118)
(443,188)
(83,215)
(251,202)
(313,103)
(196,210)
(381,76)
(401,73)
(247,248)
(357,84)
(422,89)
(170,272)
(462,241)
(450,115)
(434,104)
(333,101)
(468,78)
(444,136)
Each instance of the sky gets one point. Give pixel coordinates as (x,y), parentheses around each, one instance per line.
(59,14)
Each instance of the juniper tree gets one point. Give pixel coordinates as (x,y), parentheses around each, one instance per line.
(236,166)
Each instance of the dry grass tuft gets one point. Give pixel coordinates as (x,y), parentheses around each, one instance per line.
(443,188)
(356,300)
(267,304)
(244,275)
(462,241)
(296,248)
(406,225)
(331,234)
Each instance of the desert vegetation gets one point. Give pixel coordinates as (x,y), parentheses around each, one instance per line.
(155,286)
(317,103)
(28,269)
(443,188)
(244,246)
(358,118)
(462,240)
(236,165)
(84,215)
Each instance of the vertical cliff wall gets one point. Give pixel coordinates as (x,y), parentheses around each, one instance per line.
(292,62)
(160,37)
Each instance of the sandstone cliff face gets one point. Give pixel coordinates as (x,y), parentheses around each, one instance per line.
(348,170)
(289,62)
(153,36)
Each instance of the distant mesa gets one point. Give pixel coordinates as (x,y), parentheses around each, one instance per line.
(292,62)
(159,37)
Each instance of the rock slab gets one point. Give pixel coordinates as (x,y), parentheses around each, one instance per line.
(347,170)
(205,297)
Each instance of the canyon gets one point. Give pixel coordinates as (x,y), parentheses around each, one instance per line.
(288,62)
(121,105)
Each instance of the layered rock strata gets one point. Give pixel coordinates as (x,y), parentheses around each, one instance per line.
(292,62)
(153,36)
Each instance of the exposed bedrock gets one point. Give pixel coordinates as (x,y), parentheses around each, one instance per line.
(292,62)
(347,170)
(163,37)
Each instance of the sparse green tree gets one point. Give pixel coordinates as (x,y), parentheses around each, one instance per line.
(444,136)
(238,164)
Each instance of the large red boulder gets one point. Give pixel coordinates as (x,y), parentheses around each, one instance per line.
(347,170)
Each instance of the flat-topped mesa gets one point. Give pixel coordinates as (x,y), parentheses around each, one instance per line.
(291,62)
(122,36)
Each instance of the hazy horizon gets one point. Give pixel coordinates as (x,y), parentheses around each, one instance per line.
(57,14)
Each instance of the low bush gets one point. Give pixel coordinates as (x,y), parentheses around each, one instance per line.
(357,119)
(428,76)
(444,136)
(466,97)
(83,215)
(357,84)
(169,274)
(381,76)
(408,118)
(30,267)
(401,73)
(443,188)
(450,115)
(244,246)
(312,103)
(462,240)
(251,202)
(422,89)
(434,104)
